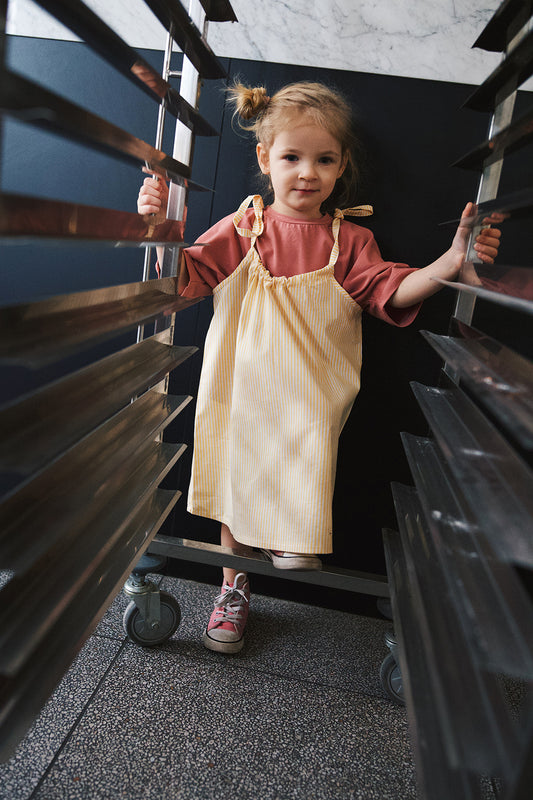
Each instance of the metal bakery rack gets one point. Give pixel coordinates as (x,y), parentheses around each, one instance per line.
(461,566)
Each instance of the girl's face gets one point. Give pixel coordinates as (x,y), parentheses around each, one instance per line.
(304,163)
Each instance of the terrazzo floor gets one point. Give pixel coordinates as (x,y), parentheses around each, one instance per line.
(299,714)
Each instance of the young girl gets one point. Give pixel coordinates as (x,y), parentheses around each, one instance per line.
(282,356)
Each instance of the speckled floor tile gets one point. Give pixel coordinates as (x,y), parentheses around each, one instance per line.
(20,775)
(298,714)
(5,577)
(163,728)
(289,639)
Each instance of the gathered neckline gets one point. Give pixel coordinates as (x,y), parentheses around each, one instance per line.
(268,211)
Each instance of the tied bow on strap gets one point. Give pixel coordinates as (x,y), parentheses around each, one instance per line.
(356,211)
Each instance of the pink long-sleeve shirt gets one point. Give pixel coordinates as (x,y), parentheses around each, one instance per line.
(290,247)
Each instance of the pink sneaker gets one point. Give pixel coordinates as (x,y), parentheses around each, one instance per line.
(301,561)
(225,630)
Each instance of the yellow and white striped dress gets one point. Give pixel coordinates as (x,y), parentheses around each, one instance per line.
(280,374)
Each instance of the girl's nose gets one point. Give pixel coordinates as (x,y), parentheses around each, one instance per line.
(307,171)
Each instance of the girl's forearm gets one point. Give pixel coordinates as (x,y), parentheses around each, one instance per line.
(421,284)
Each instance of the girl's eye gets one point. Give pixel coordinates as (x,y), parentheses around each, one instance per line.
(290,157)
(326,160)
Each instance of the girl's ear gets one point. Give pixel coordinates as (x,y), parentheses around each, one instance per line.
(342,167)
(263,159)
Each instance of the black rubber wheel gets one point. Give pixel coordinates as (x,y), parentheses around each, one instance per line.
(137,630)
(391,679)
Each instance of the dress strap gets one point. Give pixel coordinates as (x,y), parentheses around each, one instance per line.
(257,228)
(357,211)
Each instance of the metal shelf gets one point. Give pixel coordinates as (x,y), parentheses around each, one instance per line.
(479,733)
(506,22)
(515,205)
(31,602)
(102,39)
(500,379)
(37,429)
(25,219)
(45,331)
(23,695)
(84,455)
(90,475)
(512,138)
(175,19)
(508,76)
(460,570)
(218,10)
(495,482)
(35,105)
(489,601)
(216,555)
(457,735)
(493,295)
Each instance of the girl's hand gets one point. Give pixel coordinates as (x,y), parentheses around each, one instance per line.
(487,241)
(153,198)
(421,283)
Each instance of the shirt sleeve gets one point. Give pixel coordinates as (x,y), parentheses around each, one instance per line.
(213,257)
(371,282)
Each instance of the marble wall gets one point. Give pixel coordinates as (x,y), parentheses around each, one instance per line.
(412,38)
(429,39)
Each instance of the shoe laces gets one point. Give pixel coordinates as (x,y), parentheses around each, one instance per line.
(229,604)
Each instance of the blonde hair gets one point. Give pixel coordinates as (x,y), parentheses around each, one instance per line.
(325,106)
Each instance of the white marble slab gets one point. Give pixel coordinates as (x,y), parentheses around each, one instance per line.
(429,39)
(131,19)
(423,39)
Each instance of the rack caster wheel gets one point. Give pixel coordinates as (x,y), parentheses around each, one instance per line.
(385,607)
(151,635)
(391,679)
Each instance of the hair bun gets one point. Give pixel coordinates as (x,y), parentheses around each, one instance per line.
(250,101)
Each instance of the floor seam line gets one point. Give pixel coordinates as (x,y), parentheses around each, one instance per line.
(76,722)
(272,674)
